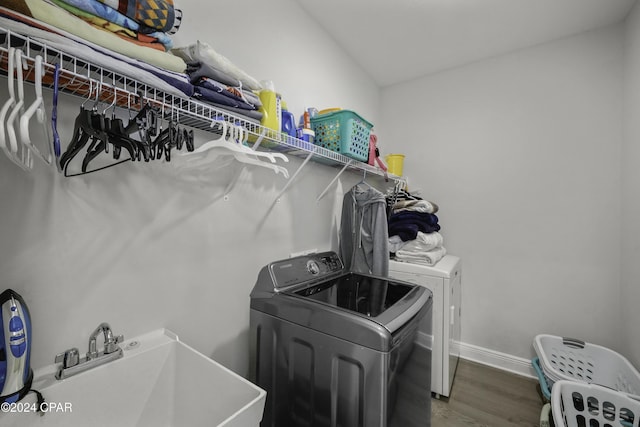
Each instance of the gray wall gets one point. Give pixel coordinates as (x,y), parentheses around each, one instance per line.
(630,295)
(522,153)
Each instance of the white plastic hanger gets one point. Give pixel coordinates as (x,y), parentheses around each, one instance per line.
(226,140)
(9,103)
(364,180)
(20,155)
(246,155)
(232,138)
(37,107)
(248,160)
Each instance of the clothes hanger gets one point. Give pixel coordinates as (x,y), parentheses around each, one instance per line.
(115,131)
(277,169)
(363,181)
(250,156)
(231,138)
(187,138)
(87,126)
(144,125)
(101,123)
(103,132)
(37,107)
(162,142)
(9,103)
(243,142)
(239,134)
(54,116)
(21,154)
(172,137)
(96,128)
(80,136)
(212,143)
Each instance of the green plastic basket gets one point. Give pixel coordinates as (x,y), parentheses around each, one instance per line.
(344,132)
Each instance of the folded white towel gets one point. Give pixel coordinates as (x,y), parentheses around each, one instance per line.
(429,258)
(396,243)
(423,242)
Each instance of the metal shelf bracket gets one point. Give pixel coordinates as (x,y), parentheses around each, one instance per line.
(334,180)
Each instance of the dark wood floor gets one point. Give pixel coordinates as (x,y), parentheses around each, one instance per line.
(484,396)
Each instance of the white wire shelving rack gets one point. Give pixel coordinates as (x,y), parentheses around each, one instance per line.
(79,77)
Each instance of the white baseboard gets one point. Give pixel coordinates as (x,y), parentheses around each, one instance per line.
(496,359)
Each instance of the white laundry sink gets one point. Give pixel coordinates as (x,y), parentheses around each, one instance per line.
(160,381)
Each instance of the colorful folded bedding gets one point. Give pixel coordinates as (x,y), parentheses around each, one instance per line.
(158,76)
(63,20)
(157,40)
(96,8)
(156,14)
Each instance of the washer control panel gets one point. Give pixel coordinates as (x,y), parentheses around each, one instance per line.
(304,268)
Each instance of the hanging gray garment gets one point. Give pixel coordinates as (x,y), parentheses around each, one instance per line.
(364,239)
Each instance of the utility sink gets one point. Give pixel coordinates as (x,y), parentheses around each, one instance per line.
(160,381)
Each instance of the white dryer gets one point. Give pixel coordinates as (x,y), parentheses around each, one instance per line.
(444,280)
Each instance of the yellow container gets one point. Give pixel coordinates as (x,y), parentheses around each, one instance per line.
(271,110)
(395,163)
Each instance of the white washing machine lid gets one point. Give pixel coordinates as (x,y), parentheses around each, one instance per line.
(443,268)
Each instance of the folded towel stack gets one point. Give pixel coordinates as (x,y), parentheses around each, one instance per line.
(219,82)
(142,22)
(136,29)
(407,224)
(414,230)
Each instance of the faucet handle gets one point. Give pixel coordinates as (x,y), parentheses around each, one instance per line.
(112,345)
(69,358)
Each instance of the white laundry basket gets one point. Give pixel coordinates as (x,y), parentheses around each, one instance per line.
(576,404)
(575,360)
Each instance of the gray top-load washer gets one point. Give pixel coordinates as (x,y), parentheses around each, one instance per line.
(330,346)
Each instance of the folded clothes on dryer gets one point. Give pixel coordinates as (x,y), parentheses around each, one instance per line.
(395,244)
(417,217)
(408,224)
(415,206)
(429,258)
(422,243)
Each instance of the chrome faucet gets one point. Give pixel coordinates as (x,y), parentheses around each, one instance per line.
(110,343)
(70,359)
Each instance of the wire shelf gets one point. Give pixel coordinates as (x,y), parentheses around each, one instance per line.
(81,78)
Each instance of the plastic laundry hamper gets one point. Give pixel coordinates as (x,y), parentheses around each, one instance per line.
(574,360)
(576,404)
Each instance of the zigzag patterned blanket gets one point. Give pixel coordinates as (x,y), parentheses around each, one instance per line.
(156,14)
